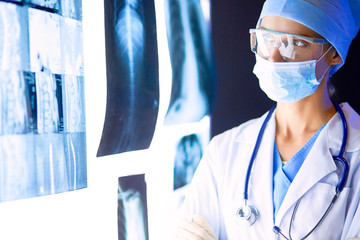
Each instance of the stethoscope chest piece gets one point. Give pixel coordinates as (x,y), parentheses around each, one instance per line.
(247,215)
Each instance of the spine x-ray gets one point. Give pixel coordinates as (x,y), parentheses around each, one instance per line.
(132,76)
(42,110)
(192,62)
(132,208)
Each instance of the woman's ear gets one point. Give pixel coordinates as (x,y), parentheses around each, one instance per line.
(334,57)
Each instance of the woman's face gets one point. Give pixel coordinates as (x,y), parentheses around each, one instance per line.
(286,25)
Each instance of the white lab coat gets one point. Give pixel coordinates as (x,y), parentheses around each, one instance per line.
(216,191)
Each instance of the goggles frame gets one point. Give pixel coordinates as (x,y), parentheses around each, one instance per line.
(253,31)
(309,39)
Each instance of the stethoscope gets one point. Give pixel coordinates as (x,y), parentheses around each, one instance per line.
(248,214)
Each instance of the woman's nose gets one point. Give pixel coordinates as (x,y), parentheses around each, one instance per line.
(275,55)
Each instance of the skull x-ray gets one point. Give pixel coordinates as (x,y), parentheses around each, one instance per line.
(132,76)
(132,208)
(192,62)
(42,110)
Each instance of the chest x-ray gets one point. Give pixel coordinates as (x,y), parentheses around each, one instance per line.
(132,208)
(132,76)
(192,62)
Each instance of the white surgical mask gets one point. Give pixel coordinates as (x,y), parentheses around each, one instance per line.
(287,81)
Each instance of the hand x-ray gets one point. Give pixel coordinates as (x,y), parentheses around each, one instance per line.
(132,76)
(192,62)
(132,208)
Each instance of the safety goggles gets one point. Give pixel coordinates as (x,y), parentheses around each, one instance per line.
(292,47)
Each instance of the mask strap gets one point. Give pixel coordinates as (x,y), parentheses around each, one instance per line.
(329,65)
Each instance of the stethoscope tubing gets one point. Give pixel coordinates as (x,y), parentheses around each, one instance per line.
(254,153)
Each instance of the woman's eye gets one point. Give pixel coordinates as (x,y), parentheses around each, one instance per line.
(268,38)
(299,43)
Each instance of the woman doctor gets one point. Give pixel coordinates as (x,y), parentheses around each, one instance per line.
(294,173)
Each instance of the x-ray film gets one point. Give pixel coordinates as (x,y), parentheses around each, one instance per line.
(188,154)
(73,104)
(132,76)
(71,47)
(13,103)
(44,34)
(75,150)
(50,4)
(50,164)
(17,167)
(71,9)
(14,43)
(47,103)
(15,1)
(132,208)
(192,61)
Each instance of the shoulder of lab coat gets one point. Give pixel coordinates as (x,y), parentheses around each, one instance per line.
(203,197)
(334,128)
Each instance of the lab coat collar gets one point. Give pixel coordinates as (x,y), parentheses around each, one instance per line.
(310,172)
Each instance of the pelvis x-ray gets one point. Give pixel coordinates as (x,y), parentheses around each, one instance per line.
(132,76)
(132,208)
(42,109)
(192,61)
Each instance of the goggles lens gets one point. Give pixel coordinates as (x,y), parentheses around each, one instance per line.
(292,47)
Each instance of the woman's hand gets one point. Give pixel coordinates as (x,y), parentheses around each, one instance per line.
(197,229)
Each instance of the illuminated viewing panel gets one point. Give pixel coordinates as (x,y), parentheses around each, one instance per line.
(42,109)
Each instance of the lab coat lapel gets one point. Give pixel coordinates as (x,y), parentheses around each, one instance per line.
(317,165)
(261,179)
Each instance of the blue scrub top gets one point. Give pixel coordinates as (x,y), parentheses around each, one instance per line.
(284,174)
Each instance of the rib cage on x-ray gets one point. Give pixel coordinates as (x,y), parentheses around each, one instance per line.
(192,62)
(132,76)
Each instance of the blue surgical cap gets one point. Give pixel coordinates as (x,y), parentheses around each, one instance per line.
(336,20)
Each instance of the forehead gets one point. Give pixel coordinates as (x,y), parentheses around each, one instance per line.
(282,24)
